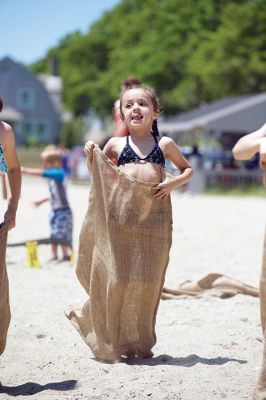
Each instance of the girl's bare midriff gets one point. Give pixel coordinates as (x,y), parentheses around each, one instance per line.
(143,171)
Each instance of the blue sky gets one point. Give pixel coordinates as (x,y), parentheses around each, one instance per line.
(30,27)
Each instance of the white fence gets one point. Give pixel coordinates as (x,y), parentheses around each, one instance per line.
(230,178)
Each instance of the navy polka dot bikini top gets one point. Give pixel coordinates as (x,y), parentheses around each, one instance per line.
(128,155)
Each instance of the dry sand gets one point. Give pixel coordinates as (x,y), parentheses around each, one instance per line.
(207,348)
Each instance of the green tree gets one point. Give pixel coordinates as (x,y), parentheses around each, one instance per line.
(191,51)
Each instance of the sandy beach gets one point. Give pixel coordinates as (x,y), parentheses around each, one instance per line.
(207,348)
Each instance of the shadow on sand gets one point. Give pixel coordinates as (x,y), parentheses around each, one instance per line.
(30,388)
(188,361)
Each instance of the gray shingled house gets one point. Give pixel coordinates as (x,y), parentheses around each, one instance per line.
(32,104)
(221,123)
(226,119)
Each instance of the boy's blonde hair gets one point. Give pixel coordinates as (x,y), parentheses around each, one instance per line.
(51,153)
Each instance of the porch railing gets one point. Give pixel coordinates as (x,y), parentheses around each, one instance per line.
(231,178)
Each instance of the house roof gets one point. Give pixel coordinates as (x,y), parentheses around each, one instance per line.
(10,114)
(14,78)
(234,114)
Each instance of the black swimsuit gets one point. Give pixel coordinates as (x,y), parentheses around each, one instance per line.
(128,155)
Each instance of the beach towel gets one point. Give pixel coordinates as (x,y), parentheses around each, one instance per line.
(4,291)
(123,253)
(213,284)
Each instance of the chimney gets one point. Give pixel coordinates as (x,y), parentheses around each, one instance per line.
(54,66)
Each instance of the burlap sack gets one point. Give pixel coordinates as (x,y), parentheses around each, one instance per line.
(123,254)
(213,284)
(4,295)
(260,389)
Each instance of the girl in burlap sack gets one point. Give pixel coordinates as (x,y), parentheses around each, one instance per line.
(9,165)
(127,232)
(142,154)
(244,149)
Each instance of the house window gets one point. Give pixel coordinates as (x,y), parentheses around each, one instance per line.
(28,127)
(41,128)
(25,98)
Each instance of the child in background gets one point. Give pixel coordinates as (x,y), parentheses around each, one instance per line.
(246,147)
(61,215)
(127,232)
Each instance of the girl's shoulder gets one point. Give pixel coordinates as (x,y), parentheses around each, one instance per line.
(169,147)
(166,141)
(114,145)
(5,126)
(116,140)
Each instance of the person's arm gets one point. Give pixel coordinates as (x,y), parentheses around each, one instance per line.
(14,174)
(172,152)
(37,203)
(43,173)
(57,174)
(32,171)
(249,145)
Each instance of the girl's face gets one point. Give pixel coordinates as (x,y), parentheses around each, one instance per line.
(137,109)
